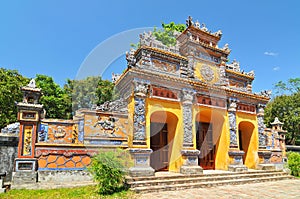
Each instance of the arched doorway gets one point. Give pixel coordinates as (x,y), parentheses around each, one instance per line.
(163,125)
(209,125)
(245,133)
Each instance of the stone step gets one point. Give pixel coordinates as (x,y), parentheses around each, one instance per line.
(178,176)
(53,185)
(205,178)
(147,189)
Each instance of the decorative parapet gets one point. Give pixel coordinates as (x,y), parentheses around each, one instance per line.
(265,93)
(234,66)
(118,106)
(202,27)
(11,130)
(148,39)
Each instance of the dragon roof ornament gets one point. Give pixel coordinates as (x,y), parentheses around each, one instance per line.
(198,25)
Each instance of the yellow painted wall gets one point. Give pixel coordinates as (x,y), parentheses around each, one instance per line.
(175,139)
(130,121)
(219,120)
(251,157)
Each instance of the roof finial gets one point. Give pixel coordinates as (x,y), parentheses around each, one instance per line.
(204,27)
(189,21)
(32,84)
(197,24)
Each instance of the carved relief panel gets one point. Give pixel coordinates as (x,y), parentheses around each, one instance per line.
(105,125)
(165,66)
(27,140)
(59,133)
(208,73)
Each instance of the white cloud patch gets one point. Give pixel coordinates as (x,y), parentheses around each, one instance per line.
(276,68)
(270,53)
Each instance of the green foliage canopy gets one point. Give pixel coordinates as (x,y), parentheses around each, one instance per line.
(10,83)
(82,92)
(287,108)
(292,86)
(166,35)
(105,91)
(56,100)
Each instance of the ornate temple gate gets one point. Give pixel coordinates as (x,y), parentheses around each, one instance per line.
(204,143)
(159,159)
(245,132)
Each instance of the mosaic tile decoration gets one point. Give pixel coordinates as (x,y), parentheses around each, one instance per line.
(63,159)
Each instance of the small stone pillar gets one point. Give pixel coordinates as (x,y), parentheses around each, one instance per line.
(235,155)
(278,156)
(263,153)
(277,127)
(140,153)
(29,116)
(189,154)
(141,166)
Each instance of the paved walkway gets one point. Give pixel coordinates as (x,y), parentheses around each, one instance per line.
(266,190)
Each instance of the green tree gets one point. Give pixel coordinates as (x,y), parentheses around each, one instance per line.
(287,108)
(89,91)
(82,92)
(166,35)
(56,101)
(292,86)
(105,91)
(10,83)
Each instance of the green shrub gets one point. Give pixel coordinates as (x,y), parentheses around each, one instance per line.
(294,163)
(108,169)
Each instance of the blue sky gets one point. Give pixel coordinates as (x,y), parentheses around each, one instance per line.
(55,37)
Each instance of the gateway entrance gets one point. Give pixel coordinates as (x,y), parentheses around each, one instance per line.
(159,159)
(204,143)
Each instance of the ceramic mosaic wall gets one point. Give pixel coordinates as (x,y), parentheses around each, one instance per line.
(64,159)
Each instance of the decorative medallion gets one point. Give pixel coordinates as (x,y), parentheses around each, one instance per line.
(207,73)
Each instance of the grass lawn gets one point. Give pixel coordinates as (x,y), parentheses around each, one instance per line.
(80,192)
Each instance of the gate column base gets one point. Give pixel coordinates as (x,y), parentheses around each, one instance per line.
(141,166)
(236,159)
(264,159)
(190,162)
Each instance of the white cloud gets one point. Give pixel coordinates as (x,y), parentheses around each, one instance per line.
(270,53)
(276,68)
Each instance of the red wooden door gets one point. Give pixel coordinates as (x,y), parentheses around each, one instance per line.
(204,137)
(159,159)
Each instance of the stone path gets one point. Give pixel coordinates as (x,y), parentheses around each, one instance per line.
(267,190)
